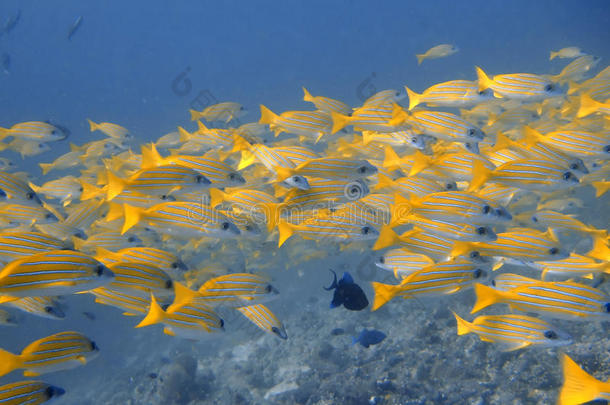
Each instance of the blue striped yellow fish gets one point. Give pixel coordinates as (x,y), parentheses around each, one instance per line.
(262,317)
(29,393)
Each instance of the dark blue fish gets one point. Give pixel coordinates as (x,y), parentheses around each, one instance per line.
(347,293)
(369,337)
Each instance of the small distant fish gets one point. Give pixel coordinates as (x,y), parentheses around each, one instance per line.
(11,22)
(5,61)
(29,392)
(368,337)
(75,26)
(347,293)
(579,387)
(567,53)
(439,51)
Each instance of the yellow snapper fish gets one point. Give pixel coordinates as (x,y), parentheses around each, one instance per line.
(590,106)
(29,392)
(554,299)
(15,245)
(580,144)
(80,217)
(454,93)
(326,104)
(193,320)
(574,265)
(579,387)
(32,131)
(165,260)
(66,189)
(158,181)
(140,279)
(384,97)
(112,130)
(457,166)
(61,351)
(329,168)
(65,161)
(226,112)
(514,332)
(181,219)
(577,69)
(518,86)
(438,51)
(310,124)
(533,175)
(415,240)
(111,240)
(18,191)
(559,221)
(26,214)
(132,304)
(523,245)
(370,117)
(44,307)
(442,278)
(403,262)
(262,317)
(569,52)
(328,227)
(57,272)
(232,290)
(26,148)
(219,173)
(169,140)
(417,186)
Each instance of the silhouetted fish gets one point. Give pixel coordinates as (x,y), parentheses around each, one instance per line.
(75,26)
(347,293)
(369,337)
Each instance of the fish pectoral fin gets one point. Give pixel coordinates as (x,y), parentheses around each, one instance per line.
(30,373)
(512,346)
(82,359)
(169,332)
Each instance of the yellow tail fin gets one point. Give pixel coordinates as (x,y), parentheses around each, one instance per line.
(600,249)
(150,157)
(132,215)
(414,98)
(601,187)
(183,295)
(340,121)
(307,96)
(486,296)
(420,163)
(553,55)
(383,181)
(463,327)
(578,386)
(9,362)
(195,115)
(115,185)
(115,211)
(286,231)
(399,115)
(484,81)
(460,248)
(89,191)
(92,125)
(401,210)
(272,216)
(587,106)
(155,314)
(247,159)
(480,174)
(46,167)
(387,237)
(391,161)
(4,132)
(77,242)
(420,58)
(267,116)
(532,136)
(185,136)
(216,197)
(383,294)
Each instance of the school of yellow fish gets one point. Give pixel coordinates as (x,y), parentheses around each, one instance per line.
(467,177)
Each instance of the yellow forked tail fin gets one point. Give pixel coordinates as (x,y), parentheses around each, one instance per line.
(420,58)
(387,237)
(8,362)
(286,231)
(185,135)
(92,125)
(132,215)
(267,116)
(601,187)
(420,163)
(307,96)
(115,185)
(480,174)
(486,296)
(383,294)
(484,81)
(587,106)
(391,161)
(463,327)
(578,386)
(600,249)
(272,213)
(414,98)
(340,121)
(195,115)
(401,210)
(150,156)
(155,314)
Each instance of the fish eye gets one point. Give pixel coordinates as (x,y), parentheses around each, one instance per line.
(397,94)
(548,87)
(381,259)
(553,251)
(534,218)
(49,216)
(241,108)
(606,307)
(574,166)
(493,283)
(232,176)
(362,169)
(550,334)
(450,186)
(169,284)
(174,265)
(478,273)
(486,209)
(471,132)
(48,309)
(53,132)
(199,179)
(567,176)
(131,239)
(94,347)
(30,195)
(354,190)
(607,148)
(296,179)
(365,230)
(481,230)
(475,255)
(225,226)
(222,323)
(99,270)
(269,288)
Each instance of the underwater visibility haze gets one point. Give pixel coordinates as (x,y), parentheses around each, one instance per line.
(178,178)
